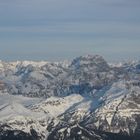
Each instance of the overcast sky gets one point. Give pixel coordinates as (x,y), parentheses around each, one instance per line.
(62,29)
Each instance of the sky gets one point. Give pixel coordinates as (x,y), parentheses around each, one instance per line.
(55,30)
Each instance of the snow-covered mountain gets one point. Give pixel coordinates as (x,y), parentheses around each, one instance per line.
(83,99)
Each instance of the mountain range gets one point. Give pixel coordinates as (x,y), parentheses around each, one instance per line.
(83,99)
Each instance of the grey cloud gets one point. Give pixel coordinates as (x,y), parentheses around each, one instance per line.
(63,28)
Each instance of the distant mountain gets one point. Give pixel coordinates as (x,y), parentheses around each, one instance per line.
(83,99)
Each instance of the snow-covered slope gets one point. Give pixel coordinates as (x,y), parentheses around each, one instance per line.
(15,113)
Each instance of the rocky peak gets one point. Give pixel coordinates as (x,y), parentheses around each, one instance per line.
(95,62)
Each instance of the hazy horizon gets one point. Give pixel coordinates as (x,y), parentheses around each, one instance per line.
(55,30)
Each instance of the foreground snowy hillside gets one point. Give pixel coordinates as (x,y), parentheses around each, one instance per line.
(83,99)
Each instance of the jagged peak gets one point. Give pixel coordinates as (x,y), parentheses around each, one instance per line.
(90,60)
